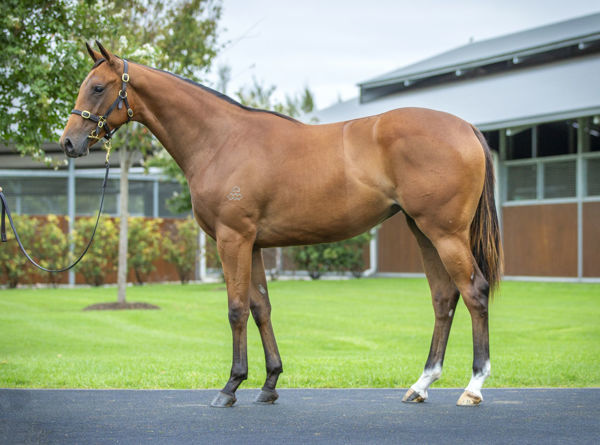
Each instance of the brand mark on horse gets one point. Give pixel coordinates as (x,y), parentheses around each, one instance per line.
(235,194)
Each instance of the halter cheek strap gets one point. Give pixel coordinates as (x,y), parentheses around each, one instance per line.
(101,120)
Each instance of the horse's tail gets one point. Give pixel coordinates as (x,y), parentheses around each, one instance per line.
(485,230)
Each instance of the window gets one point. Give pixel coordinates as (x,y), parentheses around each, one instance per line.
(593,176)
(12,190)
(87,196)
(166,190)
(593,132)
(557,138)
(551,170)
(559,179)
(37,196)
(521,182)
(493,139)
(141,198)
(519,145)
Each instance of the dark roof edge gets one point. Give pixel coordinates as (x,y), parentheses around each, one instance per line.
(527,51)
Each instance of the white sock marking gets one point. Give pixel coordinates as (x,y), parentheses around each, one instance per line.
(427,378)
(477,379)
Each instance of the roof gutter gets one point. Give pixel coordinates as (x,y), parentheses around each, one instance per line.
(514,56)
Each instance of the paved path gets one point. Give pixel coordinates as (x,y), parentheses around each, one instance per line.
(335,416)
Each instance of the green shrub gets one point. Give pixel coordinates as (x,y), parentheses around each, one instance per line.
(14,266)
(143,248)
(101,258)
(180,247)
(53,248)
(213,259)
(343,256)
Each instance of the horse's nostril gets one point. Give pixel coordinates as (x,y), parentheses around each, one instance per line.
(68,145)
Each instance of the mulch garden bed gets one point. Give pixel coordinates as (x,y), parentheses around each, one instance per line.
(116,306)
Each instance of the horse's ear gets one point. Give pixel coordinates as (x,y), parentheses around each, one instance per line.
(95,55)
(105,53)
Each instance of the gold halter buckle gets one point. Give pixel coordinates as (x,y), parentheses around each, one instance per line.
(108,148)
(94,135)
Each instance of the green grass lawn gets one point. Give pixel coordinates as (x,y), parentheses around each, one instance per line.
(356,333)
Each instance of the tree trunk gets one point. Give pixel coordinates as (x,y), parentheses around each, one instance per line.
(123,227)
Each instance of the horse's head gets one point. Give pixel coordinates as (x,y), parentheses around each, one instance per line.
(99,107)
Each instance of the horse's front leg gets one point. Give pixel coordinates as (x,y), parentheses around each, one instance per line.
(235,250)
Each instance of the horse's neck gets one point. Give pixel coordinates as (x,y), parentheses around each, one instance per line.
(190,122)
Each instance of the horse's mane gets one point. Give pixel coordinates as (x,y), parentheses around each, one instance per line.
(227,98)
(221,95)
(211,91)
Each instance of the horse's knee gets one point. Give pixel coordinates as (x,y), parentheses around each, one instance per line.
(238,313)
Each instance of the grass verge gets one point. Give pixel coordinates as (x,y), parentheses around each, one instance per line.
(356,333)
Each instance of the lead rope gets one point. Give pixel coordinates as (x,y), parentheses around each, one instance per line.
(6,212)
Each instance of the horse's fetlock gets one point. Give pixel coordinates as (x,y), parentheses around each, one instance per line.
(275,370)
(239,373)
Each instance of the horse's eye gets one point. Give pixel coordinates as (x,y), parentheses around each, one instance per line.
(98,89)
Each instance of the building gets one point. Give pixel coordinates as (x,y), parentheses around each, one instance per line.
(536,96)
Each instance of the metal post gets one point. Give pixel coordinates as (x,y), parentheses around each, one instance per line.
(201,263)
(373,253)
(580,192)
(19,201)
(539,194)
(279,260)
(155,198)
(71,213)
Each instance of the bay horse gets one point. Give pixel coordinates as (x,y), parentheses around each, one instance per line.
(260,179)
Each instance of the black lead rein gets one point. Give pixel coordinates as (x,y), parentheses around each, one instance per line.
(6,212)
(101,124)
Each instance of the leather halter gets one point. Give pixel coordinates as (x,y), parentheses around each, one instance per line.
(101,120)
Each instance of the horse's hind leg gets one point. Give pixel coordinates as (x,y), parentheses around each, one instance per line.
(261,311)
(444,296)
(456,255)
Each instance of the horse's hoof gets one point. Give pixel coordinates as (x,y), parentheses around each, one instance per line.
(223,400)
(469,399)
(413,396)
(266,397)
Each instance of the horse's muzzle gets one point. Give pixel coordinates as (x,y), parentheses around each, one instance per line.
(73,148)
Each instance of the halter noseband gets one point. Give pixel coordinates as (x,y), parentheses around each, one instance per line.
(101,121)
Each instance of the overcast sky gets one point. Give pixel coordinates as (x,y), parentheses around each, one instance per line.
(331,45)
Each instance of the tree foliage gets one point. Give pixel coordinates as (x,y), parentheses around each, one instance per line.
(14,267)
(43,59)
(101,259)
(144,246)
(180,247)
(53,248)
(343,256)
(42,63)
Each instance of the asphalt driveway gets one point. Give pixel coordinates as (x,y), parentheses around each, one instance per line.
(331,416)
